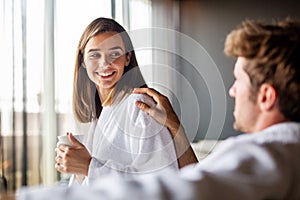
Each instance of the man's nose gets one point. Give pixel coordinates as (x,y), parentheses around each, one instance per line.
(231,91)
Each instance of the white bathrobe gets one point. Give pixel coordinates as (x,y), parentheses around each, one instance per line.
(263,165)
(125,140)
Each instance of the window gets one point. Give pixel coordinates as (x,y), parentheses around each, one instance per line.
(24,32)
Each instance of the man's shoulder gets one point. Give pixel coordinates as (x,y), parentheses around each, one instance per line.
(285,132)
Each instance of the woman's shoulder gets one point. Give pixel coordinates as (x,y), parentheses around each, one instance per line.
(134,112)
(142,123)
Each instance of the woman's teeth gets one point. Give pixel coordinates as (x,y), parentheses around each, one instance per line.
(106,74)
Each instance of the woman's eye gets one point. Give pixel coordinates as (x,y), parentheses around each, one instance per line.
(94,55)
(115,54)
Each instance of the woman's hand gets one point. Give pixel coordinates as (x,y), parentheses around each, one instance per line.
(73,159)
(162,112)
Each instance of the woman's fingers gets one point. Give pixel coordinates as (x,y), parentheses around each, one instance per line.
(74,141)
(59,167)
(72,159)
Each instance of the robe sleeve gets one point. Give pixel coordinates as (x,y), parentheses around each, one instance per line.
(149,144)
(237,171)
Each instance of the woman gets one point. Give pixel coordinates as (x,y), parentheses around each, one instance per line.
(122,139)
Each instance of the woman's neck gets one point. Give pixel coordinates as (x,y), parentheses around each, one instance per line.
(103,93)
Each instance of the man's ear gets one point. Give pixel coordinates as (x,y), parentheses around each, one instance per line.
(128,57)
(267,97)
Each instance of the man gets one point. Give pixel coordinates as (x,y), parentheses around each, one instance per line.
(263,164)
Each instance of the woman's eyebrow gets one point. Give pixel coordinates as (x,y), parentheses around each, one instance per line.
(92,50)
(112,48)
(116,47)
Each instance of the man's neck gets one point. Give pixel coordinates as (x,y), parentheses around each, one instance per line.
(268,119)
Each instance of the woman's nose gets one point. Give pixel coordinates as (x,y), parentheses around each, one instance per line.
(104,61)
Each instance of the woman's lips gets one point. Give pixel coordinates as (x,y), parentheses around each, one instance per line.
(105,75)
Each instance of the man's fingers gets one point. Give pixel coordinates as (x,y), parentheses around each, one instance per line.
(139,90)
(144,107)
(149,91)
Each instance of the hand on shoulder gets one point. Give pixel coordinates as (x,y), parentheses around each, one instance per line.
(162,110)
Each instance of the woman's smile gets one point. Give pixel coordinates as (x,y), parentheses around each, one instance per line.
(106,74)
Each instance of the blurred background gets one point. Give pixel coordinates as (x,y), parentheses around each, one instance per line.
(38,40)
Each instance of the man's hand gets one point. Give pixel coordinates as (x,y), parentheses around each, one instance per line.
(162,112)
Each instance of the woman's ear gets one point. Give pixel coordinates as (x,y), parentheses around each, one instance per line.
(128,57)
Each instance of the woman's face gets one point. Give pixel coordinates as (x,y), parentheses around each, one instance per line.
(104,59)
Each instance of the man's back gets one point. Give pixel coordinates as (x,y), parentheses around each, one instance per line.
(263,165)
